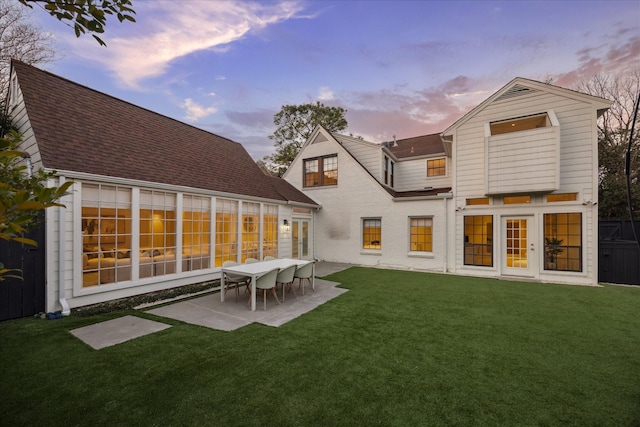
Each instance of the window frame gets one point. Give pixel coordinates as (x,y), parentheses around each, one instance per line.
(371,246)
(429,249)
(438,168)
(486,247)
(560,251)
(321,172)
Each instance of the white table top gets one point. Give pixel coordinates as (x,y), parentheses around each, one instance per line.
(261,267)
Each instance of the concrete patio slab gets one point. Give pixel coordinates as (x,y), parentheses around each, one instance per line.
(116,331)
(210,312)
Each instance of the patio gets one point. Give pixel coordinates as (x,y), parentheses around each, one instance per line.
(210,312)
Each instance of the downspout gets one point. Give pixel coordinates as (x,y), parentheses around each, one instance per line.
(62,231)
(446,235)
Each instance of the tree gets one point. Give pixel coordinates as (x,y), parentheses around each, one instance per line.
(23,195)
(614,128)
(86,15)
(295,123)
(22,40)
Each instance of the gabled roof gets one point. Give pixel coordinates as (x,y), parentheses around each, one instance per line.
(82,130)
(521,86)
(425,145)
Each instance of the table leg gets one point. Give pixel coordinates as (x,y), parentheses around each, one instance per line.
(313,277)
(253,293)
(222,286)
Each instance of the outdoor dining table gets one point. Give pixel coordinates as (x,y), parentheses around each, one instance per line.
(257,269)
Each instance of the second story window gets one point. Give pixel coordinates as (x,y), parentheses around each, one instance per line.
(321,171)
(388,171)
(436,167)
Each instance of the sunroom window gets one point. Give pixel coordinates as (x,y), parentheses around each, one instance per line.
(106,234)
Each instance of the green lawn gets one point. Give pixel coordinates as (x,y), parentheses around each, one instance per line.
(400,348)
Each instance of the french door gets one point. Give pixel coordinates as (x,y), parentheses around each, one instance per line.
(518,247)
(300,241)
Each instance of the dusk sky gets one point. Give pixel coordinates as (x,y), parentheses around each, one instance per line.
(403,68)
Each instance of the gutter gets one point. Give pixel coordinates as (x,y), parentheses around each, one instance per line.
(62,230)
(414,198)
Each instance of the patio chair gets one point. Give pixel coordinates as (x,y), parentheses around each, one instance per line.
(267,282)
(304,273)
(251,260)
(269,258)
(234,279)
(285,278)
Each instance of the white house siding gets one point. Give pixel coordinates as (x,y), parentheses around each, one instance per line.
(368,154)
(338,224)
(578,155)
(411,174)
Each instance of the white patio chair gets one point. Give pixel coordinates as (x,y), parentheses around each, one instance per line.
(267,282)
(251,260)
(304,273)
(234,279)
(269,258)
(285,278)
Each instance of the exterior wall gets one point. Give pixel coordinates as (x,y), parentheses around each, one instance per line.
(368,154)
(577,174)
(338,224)
(411,174)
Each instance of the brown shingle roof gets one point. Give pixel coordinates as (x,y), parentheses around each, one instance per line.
(418,146)
(83,130)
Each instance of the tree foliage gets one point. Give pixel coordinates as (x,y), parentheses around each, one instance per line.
(294,125)
(20,39)
(86,15)
(614,128)
(22,194)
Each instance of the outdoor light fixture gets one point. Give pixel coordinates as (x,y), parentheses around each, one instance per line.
(285,225)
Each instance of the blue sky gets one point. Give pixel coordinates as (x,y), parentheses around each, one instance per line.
(403,68)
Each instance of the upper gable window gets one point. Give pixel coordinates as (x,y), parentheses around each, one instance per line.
(437,167)
(520,123)
(321,171)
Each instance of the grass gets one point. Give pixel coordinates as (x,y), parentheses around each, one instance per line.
(399,349)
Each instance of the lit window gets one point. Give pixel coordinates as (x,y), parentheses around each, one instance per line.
(196,232)
(421,235)
(106,234)
(270,231)
(477,201)
(157,233)
(478,240)
(520,123)
(437,167)
(563,242)
(321,171)
(372,233)
(516,200)
(562,197)
(226,231)
(250,231)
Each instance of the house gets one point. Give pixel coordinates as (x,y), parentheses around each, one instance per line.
(508,190)
(155,203)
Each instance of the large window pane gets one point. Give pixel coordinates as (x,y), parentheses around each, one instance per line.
(196,232)
(421,235)
(157,233)
(106,234)
(478,240)
(563,242)
(372,233)
(270,231)
(226,231)
(250,231)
